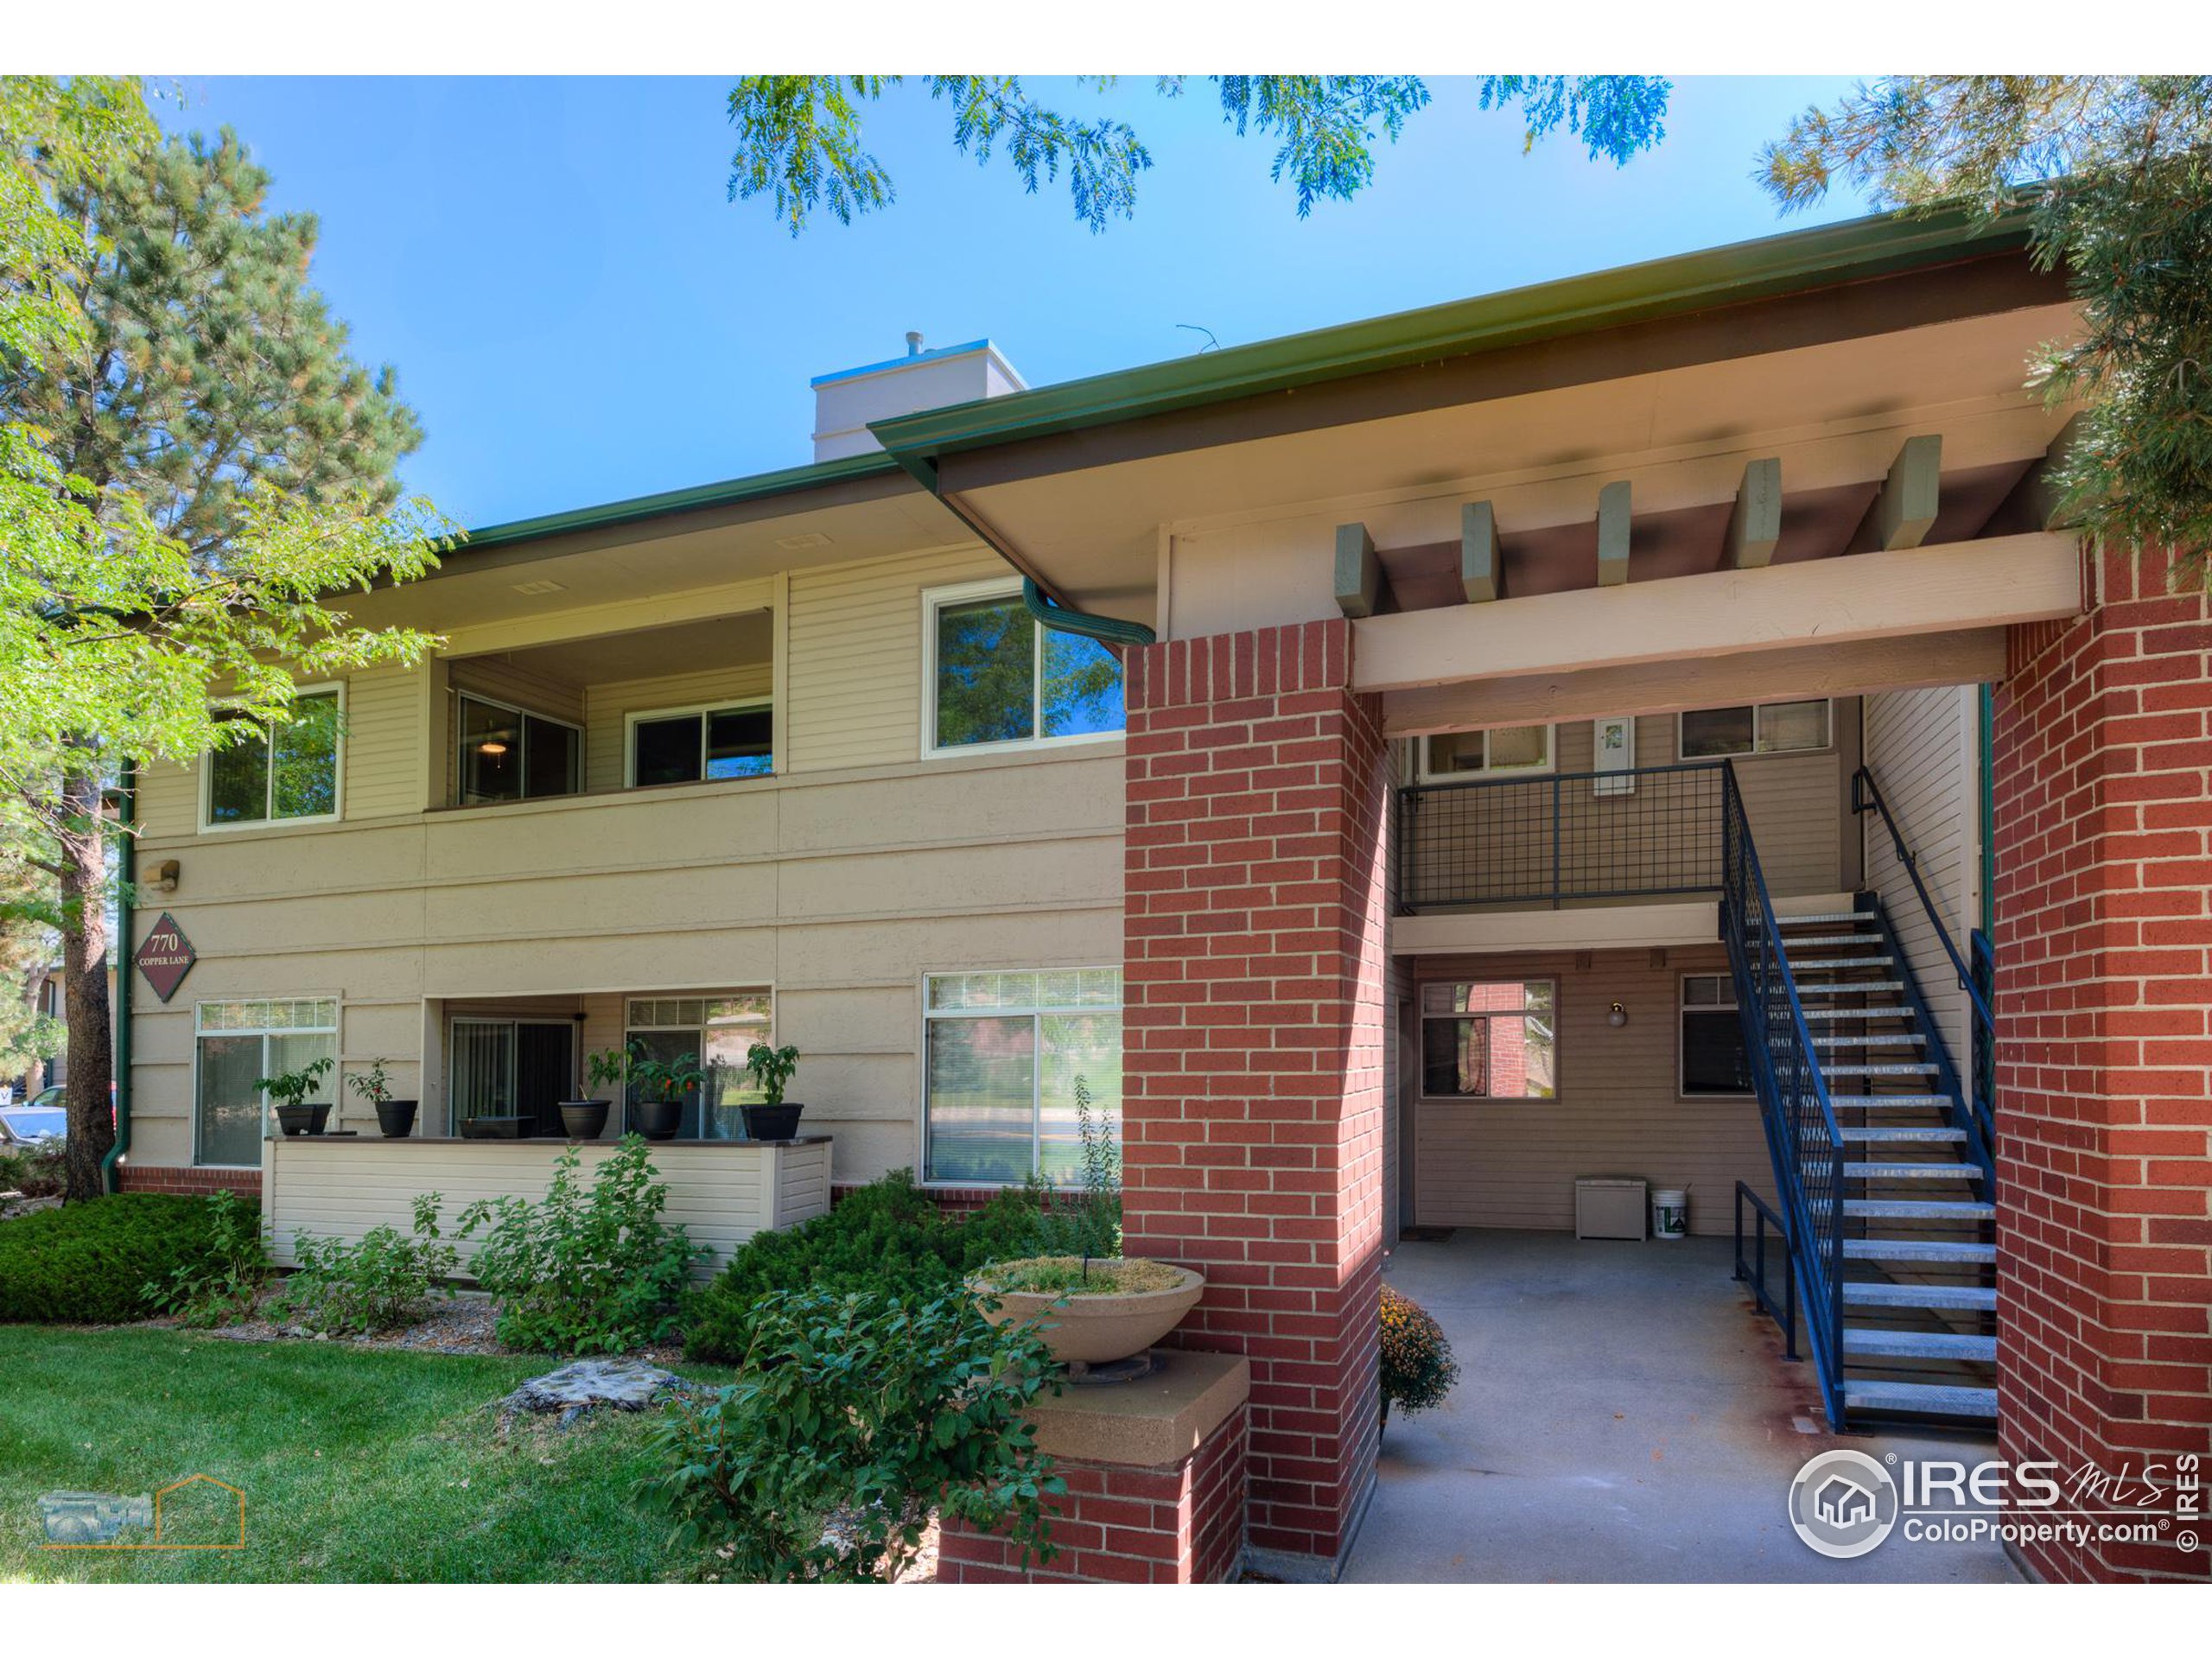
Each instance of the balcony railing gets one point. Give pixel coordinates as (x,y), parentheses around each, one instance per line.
(1646,833)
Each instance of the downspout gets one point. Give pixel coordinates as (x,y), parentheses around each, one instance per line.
(1107,629)
(126,855)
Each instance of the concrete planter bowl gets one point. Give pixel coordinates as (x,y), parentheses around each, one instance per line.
(1088,1328)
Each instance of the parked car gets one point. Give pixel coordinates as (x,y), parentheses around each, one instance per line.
(26,1126)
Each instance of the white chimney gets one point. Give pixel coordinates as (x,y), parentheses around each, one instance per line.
(844,402)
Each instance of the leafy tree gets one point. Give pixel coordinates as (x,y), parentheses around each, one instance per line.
(190,465)
(800,139)
(28,1038)
(2113,177)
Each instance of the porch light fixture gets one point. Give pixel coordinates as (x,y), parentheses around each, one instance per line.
(1616,1016)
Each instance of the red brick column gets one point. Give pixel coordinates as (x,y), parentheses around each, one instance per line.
(2103,775)
(1253,960)
(156,1178)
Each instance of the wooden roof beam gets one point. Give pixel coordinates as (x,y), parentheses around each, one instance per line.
(1481,573)
(1755,522)
(1903,510)
(1359,572)
(1613,534)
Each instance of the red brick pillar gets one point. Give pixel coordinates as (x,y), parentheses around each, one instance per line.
(2103,777)
(1253,1043)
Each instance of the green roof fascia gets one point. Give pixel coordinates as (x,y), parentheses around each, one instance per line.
(1795,261)
(791,480)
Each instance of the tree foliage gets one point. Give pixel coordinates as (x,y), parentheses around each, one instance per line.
(800,137)
(2113,177)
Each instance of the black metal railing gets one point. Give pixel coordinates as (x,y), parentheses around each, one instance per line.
(1802,1137)
(1646,833)
(1783,1312)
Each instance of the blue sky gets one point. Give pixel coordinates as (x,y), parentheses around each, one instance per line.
(579,315)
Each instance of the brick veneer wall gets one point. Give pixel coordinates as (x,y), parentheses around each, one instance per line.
(2103,773)
(1254,957)
(154,1178)
(1119,1524)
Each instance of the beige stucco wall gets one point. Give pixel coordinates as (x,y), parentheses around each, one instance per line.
(1496,1163)
(838,883)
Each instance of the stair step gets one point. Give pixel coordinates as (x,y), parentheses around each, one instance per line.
(1881,1069)
(1967,1299)
(1824,919)
(1845,987)
(1921,1399)
(1795,941)
(1919,1209)
(1918,1249)
(1913,1172)
(1864,1101)
(1864,1132)
(1875,1039)
(1892,1011)
(1918,1344)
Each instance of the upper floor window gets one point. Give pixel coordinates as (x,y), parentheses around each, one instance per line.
(1503,750)
(1755,729)
(509,754)
(999,677)
(688,745)
(289,771)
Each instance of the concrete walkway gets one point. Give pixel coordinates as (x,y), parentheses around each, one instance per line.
(1625,1415)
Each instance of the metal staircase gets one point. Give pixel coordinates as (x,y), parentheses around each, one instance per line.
(1881,1158)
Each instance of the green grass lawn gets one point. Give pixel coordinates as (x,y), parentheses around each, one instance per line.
(358,1466)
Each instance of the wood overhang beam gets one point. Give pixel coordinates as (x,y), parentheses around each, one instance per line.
(1905,509)
(1359,571)
(1755,522)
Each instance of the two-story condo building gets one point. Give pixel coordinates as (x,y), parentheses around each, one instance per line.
(1637,728)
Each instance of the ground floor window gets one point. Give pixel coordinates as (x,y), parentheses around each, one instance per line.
(1714,1060)
(513,1068)
(238,1044)
(717,1031)
(1494,1039)
(1004,1052)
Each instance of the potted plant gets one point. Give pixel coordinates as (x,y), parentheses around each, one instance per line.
(586,1119)
(657,1088)
(1090,1309)
(289,1091)
(395,1117)
(772,1068)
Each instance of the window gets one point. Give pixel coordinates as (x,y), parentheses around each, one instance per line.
(1004,1053)
(509,754)
(1714,1061)
(685,746)
(999,675)
(1494,1040)
(1503,749)
(237,1044)
(289,771)
(1764,728)
(512,1068)
(718,1031)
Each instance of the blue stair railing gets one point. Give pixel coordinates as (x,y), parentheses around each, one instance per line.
(1977,1105)
(1802,1137)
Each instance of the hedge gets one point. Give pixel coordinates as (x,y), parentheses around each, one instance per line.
(89,1263)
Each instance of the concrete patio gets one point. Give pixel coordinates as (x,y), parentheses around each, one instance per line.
(1625,1415)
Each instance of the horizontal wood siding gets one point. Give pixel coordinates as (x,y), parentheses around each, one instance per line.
(1922,748)
(802,1183)
(384,743)
(1515,1163)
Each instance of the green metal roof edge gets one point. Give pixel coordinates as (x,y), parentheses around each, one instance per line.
(1794,261)
(790,480)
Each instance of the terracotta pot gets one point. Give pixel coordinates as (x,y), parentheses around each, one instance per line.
(396,1118)
(584,1120)
(772,1123)
(1097,1330)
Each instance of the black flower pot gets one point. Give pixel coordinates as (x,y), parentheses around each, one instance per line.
(659,1120)
(772,1123)
(584,1120)
(493,1128)
(396,1118)
(298,1120)
(318,1118)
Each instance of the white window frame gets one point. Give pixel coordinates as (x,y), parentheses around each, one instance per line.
(1036,1070)
(698,1032)
(1683,1008)
(935,599)
(1754,752)
(702,711)
(462,695)
(1550,762)
(338,781)
(264,1031)
(1422,1017)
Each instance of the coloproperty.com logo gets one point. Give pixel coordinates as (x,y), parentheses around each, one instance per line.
(1847,1503)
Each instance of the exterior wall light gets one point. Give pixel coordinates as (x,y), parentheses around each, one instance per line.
(1616,1016)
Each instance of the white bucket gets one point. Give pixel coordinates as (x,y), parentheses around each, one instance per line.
(1670,1213)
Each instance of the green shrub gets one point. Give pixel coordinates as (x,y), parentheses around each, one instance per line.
(887,1238)
(222,1287)
(860,1412)
(383,1281)
(89,1263)
(585,1270)
(36,1172)
(1417,1368)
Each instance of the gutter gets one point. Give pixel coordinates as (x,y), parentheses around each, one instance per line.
(126,852)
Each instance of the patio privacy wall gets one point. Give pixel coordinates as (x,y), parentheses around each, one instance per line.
(838,883)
